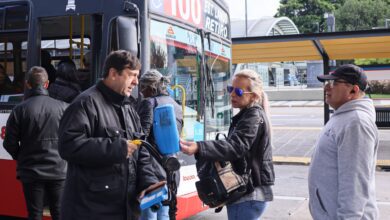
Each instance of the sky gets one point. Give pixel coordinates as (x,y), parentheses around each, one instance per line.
(256,8)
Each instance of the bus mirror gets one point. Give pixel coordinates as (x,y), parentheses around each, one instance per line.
(127,34)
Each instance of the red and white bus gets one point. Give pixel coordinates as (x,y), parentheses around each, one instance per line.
(187,39)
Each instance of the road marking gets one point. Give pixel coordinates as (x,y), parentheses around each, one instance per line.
(383,203)
(286,144)
(295,198)
(296,128)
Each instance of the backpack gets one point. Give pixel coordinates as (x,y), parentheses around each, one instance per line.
(219,184)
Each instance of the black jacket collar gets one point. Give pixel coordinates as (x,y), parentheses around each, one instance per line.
(111,95)
(36,92)
(242,111)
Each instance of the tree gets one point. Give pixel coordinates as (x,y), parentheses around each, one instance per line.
(362,15)
(308,15)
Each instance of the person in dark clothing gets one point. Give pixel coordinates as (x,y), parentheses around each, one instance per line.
(46,63)
(84,73)
(153,86)
(5,82)
(66,87)
(106,170)
(32,140)
(248,142)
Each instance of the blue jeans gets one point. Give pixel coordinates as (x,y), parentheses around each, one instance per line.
(161,214)
(249,210)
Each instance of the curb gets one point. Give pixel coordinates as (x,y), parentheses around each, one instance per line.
(291,160)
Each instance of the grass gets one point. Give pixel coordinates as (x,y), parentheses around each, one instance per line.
(380,96)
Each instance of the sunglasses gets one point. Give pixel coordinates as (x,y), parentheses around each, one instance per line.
(239,92)
(334,82)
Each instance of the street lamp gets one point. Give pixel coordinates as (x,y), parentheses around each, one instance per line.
(246,19)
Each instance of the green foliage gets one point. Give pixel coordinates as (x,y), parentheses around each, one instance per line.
(351,15)
(372,61)
(380,96)
(308,15)
(379,86)
(362,15)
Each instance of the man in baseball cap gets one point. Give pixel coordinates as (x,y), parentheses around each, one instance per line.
(350,73)
(342,167)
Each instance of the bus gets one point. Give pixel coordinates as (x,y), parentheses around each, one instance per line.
(189,40)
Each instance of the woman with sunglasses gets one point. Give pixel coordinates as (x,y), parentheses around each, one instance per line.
(247,147)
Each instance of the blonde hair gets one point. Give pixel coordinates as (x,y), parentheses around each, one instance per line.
(256,86)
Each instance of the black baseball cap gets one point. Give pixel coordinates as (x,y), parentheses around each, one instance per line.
(350,73)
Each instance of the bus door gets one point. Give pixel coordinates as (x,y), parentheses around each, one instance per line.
(81,38)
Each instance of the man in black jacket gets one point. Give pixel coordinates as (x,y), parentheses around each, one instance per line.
(106,171)
(31,139)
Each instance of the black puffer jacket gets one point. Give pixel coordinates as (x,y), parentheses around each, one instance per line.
(64,90)
(101,183)
(66,86)
(249,138)
(32,139)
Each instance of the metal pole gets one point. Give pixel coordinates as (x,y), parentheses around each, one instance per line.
(246,19)
(326,105)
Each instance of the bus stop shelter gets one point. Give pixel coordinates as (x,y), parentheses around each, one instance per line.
(316,46)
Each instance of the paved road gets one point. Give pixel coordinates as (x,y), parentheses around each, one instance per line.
(297,116)
(296,129)
(291,196)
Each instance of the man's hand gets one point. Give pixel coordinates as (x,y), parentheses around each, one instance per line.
(131,148)
(150,188)
(188,147)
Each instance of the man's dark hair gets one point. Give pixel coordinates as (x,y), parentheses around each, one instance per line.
(120,60)
(37,77)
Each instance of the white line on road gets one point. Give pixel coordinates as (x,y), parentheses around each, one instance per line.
(298,198)
(296,128)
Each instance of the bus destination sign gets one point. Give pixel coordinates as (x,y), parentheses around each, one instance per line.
(200,13)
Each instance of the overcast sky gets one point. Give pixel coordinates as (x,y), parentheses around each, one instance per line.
(256,8)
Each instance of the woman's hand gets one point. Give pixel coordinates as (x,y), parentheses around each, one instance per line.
(188,147)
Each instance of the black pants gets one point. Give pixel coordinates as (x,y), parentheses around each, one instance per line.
(34,194)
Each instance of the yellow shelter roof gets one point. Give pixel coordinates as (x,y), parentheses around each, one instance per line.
(301,47)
